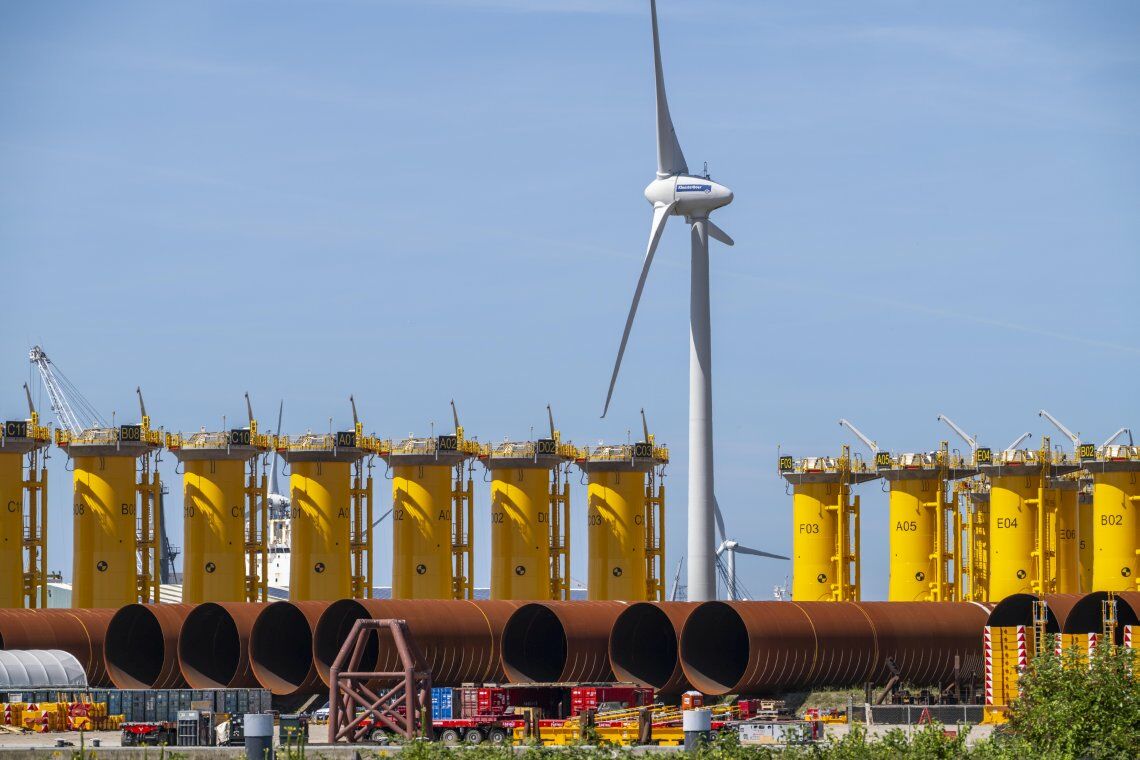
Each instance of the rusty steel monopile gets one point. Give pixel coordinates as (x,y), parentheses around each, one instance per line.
(645,645)
(460,639)
(141,649)
(78,632)
(559,642)
(281,648)
(929,643)
(213,645)
(767,647)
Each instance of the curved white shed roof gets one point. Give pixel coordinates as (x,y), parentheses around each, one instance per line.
(39,669)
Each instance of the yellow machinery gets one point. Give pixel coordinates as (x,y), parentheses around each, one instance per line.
(655,724)
(432,514)
(530,517)
(23,511)
(331,517)
(1023,517)
(626,519)
(116,555)
(925,524)
(1066,493)
(1115,471)
(224,510)
(825,525)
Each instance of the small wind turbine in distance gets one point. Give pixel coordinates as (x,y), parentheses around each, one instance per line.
(726,564)
(676,192)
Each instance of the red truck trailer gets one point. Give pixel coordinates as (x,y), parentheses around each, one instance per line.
(476,714)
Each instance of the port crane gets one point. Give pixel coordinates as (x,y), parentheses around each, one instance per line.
(75,414)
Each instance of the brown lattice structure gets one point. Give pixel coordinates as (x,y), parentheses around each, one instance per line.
(372,705)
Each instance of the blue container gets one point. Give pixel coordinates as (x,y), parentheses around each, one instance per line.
(441,703)
(114,702)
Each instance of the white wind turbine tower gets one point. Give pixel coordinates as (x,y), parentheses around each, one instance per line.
(675,192)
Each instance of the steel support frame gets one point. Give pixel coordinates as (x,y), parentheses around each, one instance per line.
(559,535)
(398,702)
(256,527)
(462,539)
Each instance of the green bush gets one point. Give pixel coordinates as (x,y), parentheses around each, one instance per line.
(1068,708)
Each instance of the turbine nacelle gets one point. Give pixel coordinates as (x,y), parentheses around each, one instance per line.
(689,196)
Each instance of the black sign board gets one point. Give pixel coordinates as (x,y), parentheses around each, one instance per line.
(642,450)
(447,443)
(240,437)
(1086,451)
(16,429)
(545,447)
(346,440)
(984,456)
(882,460)
(131,433)
(787,464)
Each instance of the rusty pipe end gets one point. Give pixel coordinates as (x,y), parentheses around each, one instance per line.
(213,645)
(559,641)
(714,648)
(141,649)
(534,645)
(281,647)
(331,632)
(644,646)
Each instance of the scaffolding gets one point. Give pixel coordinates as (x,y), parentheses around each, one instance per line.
(331,481)
(433,510)
(530,516)
(626,519)
(826,541)
(22,449)
(926,537)
(226,555)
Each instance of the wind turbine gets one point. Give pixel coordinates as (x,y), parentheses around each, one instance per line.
(676,192)
(729,549)
(279,503)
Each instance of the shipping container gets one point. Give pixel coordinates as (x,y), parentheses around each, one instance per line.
(441,703)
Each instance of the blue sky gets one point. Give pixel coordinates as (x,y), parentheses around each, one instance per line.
(937,210)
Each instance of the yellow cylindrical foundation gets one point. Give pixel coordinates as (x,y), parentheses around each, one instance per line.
(616,530)
(11,530)
(104,570)
(813,541)
(321,563)
(421,531)
(1085,536)
(214,531)
(1068,551)
(520,533)
(1012,533)
(913,527)
(1114,531)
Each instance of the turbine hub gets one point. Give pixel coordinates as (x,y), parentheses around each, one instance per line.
(694,196)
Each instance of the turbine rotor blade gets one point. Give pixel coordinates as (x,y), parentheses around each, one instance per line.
(661,213)
(716,233)
(719,517)
(670,159)
(757,553)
